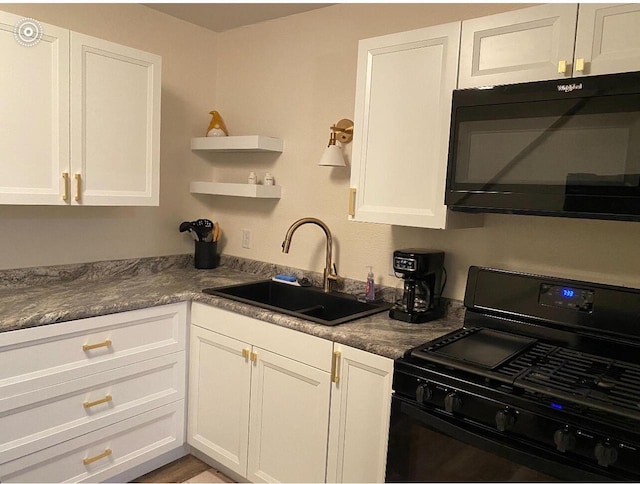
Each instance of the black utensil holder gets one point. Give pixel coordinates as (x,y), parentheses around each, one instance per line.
(206,256)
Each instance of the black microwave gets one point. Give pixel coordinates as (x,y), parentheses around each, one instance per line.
(566,148)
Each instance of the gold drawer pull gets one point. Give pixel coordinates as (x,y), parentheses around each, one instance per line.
(91,460)
(106,399)
(352,202)
(335,367)
(65,177)
(562,67)
(78,187)
(105,343)
(245,353)
(254,356)
(580,65)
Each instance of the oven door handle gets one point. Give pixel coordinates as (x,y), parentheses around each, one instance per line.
(511,448)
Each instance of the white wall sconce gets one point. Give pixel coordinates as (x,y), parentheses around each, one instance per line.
(341,131)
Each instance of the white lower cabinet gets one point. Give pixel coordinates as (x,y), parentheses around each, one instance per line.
(289,417)
(262,402)
(110,387)
(219,390)
(360,411)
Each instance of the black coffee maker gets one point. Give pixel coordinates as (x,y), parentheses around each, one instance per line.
(418,298)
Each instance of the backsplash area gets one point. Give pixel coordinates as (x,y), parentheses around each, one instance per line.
(90,271)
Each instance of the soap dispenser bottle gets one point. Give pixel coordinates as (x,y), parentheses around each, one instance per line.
(370,290)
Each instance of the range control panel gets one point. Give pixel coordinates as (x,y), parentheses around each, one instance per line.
(566,297)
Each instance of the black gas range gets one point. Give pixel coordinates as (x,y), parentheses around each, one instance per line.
(541,383)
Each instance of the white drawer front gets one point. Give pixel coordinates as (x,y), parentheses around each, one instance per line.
(130,442)
(33,421)
(48,355)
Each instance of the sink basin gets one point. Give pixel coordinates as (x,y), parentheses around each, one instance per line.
(304,302)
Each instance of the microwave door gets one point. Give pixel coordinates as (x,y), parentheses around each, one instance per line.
(548,157)
(531,147)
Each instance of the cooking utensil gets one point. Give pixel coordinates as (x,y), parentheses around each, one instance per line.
(188,226)
(203,228)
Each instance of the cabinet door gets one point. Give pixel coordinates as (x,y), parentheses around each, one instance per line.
(34,125)
(402,113)
(607,40)
(289,420)
(115,123)
(359,427)
(219,383)
(520,46)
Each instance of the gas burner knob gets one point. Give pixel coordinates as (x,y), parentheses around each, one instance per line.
(564,439)
(424,393)
(505,419)
(606,454)
(452,403)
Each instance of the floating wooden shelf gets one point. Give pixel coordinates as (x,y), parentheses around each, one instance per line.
(236,189)
(237,143)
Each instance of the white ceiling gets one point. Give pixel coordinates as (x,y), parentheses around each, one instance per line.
(225,16)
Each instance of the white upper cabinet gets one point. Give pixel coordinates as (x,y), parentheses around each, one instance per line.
(552,41)
(402,112)
(608,39)
(81,120)
(34,125)
(519,46)
(115,121)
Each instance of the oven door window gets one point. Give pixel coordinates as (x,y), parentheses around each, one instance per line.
(587,145)
(419,451)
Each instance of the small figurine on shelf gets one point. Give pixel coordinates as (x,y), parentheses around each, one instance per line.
(216,126)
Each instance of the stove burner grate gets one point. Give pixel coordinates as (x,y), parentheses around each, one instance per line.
(550,371)
(600,383)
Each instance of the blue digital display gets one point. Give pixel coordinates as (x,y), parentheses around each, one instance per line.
(557,406)
(568,292)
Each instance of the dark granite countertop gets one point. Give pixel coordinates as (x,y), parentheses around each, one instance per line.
(40,296)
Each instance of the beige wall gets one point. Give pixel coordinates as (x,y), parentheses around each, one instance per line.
(290,78)
(35,236)
(293,78)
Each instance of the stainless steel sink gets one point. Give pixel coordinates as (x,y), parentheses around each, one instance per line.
(304,302)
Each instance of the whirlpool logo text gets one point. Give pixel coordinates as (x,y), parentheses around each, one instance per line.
(569,87)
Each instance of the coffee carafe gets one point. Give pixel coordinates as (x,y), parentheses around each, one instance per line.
(417,297)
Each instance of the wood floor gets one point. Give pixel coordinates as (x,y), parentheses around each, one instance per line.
(185,469)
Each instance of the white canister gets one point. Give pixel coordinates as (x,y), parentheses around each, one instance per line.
(253,179)
(268,179)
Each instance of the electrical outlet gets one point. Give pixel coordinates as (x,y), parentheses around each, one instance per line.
(246,238)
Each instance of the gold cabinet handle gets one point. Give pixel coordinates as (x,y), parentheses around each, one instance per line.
(78,186)
(335,367)
(91,460)
(254,356)
(562,67)
(106,399)
(352,201)
(245,353)
(65,194)
(105,343)
(580,65)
